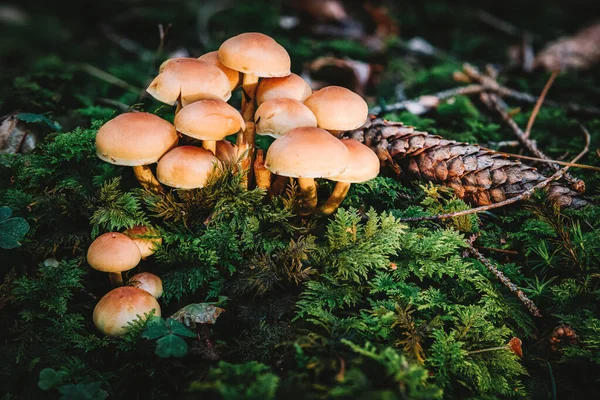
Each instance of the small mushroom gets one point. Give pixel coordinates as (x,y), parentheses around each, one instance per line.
(363,166)
(232,74)
(227,152)
(186,167)
(136,140)
(288,87)
(256,56)
(121,306)
(209,121)
(307,153)
(148,282)
(277,117)
(183,81)
(145,239)
(338,109)
(114,253)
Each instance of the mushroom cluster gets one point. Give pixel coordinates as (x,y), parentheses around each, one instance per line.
(307,126)
(115,252)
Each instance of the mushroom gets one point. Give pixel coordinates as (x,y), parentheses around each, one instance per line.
(338,109)
(363,166)
(277,117)
(121,306)
(232,74)
(148,282)
(114,253)
(186,80)
(255,55)
(307,153)
(209,121)
(227,152)
(288,87)
(136,140)
(186,167)
(145,239)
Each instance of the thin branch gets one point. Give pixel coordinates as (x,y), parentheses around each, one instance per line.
(523,196)
(538,104)
(106,77)
(440,96)
(494,102)
(502,278)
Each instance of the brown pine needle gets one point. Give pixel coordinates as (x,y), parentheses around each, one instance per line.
(548,161)
(538,104)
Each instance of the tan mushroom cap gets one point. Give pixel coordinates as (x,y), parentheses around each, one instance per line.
(209,120)
(232,74)
(255,54)
(288,87)
(186,167)
(148,282)
(307,152)
(113,252)
(145,239)
(120,306)
(363,166)
(338,108)
(191,79)
(135,139)
(277,117)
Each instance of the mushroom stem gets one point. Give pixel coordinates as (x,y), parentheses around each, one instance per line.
(116,278)
(210,145)
(262,174)
(146,178)
(245,140)
(278,186)
(179,106)
(337,196)
(308,196)
(337,134)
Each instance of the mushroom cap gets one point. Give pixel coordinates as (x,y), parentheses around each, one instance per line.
(227,152)
(148,282)
(277,117)
(186,167)
(134,139)
(191,79)
(307,152)
(338,108)
(113,252)
(209,120)
(232,74)
(289,87)
(120,306)
(255,54)
(363,166)
(147,243)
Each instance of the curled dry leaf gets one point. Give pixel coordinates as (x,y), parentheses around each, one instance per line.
(580,51)
(16,136)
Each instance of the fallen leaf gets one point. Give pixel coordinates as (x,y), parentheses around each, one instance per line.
(580,51)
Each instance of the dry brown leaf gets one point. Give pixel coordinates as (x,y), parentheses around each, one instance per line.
(15,137)
(580,51)
(352,74)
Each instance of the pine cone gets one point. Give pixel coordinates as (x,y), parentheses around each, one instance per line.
(478,176)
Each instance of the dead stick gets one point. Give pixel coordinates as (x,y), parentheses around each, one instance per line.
(538,104)
(502,278)
(493,102)
(441,96)
(524,195)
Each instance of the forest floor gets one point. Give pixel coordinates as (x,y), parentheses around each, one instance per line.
(377,301)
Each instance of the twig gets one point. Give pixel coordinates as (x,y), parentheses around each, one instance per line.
(106,77)
(441,96)
(574,165)
(524,195)
(502,278)
(511,252)
(538,104)
(493,102)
